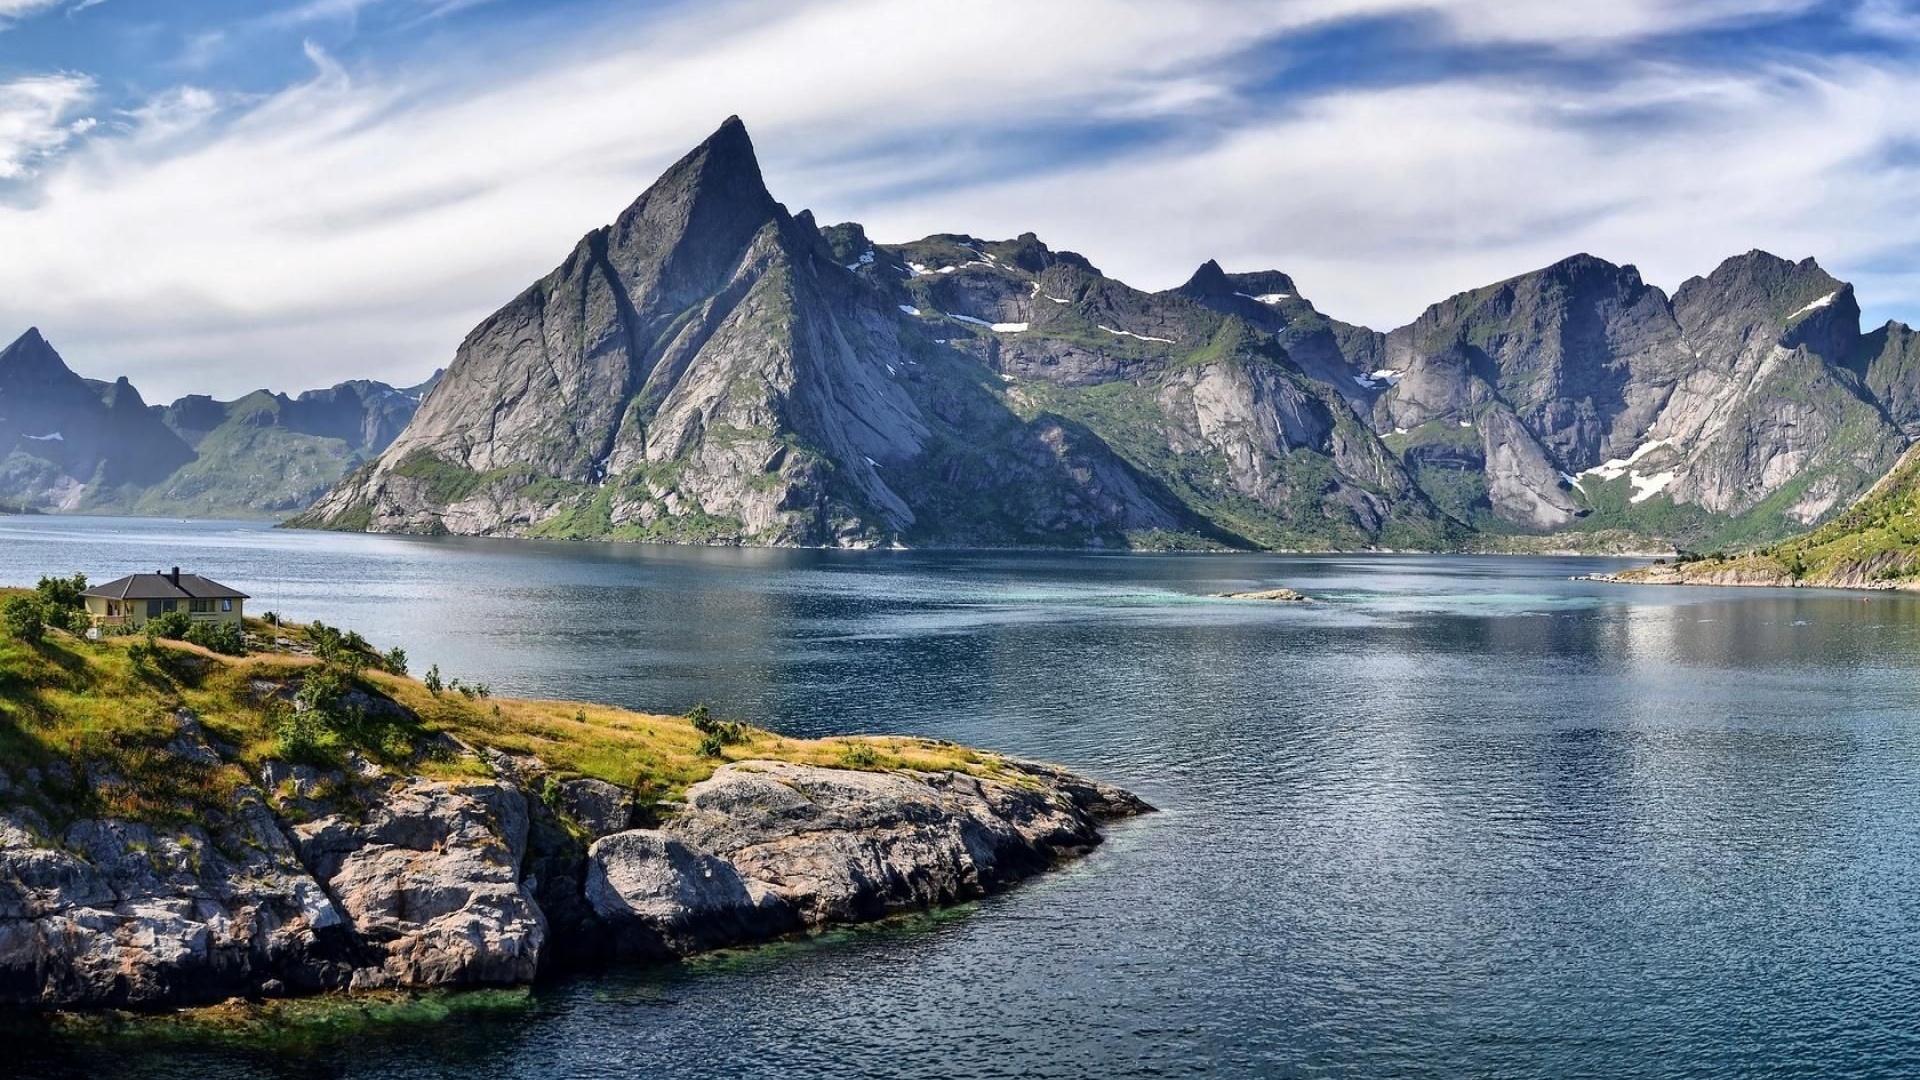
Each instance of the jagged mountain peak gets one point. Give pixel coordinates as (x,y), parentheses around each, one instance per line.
(1210,281)
(724,168)
(31,352)
(1762,289)
(1764,273)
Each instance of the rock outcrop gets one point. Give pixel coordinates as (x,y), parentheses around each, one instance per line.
(432,883)
(768,847)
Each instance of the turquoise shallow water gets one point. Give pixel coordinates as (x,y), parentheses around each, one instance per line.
(1466,817)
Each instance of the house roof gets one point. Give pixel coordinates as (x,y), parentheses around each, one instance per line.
(164,587)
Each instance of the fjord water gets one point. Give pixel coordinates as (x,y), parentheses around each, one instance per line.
(1463,817)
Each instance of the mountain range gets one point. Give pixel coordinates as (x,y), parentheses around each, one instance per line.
(712,368)
(77,445)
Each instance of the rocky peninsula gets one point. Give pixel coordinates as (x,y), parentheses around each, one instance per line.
(180,827)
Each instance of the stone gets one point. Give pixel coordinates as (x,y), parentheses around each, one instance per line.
(767,846)
(597,806)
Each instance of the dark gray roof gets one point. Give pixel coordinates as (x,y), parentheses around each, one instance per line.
(162,587)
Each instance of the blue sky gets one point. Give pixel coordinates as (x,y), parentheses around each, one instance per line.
(213,195)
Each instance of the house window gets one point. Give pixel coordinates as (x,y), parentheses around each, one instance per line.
(170,605)
(202,607)
(153,608)
(226,605)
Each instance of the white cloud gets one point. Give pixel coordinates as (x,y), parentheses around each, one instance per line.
(36,119)
(1382,201)
(14,9)
(360,223)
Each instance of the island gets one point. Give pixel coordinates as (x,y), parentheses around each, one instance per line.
(189,816)
(1278,596)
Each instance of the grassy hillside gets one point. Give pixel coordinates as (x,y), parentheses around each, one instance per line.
(94,728)
(1873,544)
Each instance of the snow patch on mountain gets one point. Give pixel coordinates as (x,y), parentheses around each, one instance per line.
(1140,337)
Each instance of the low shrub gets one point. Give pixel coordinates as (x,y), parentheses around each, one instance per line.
(728,732)
(172,625)
(225,638)
(860,756)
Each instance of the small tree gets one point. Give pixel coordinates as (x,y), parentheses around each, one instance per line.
(395,660)
(434,685)
(61,594)
(25,617)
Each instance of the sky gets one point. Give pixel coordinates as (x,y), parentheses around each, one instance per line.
(218,195)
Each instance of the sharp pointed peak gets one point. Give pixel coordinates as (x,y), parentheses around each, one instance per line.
(720,172)
(1208,280)
(1211,280)
(32,338)
(31,349)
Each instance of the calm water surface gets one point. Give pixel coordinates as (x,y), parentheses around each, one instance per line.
(1464,818)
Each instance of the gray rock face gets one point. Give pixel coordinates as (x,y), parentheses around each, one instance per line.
(1747,386)
(434,883)
(1889,359)
(599,807)
(431,879)
(766,847)
(710,368)
(697,370)
(110,913)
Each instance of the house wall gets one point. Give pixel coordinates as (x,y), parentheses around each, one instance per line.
(134,612)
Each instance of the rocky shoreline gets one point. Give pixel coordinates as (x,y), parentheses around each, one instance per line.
(1742,577)
(498,880)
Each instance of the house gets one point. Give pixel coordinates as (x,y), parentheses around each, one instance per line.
(132,600)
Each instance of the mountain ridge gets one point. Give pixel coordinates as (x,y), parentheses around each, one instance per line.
(779,382)
(82,445)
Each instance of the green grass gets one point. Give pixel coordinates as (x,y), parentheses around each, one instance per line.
(95,720)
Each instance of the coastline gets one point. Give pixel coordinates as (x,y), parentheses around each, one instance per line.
(1651,550)
(446,839)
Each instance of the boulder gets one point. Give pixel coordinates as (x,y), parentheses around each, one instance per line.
(766,846)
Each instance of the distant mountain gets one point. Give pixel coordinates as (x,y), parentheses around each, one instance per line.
(1580,397)
(67,440)
(76,445)
(710,368)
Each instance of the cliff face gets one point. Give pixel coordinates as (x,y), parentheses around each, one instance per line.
(433,883)
(710,368)
(1739,405)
